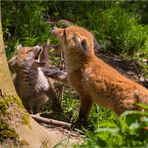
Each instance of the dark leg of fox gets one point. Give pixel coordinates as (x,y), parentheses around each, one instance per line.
(56,74)
(86,104)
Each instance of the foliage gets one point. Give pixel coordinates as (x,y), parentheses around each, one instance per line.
(70,104)
(115,24)
(123,37)
(117,29)
(128,130)
(23,23)
(97,115)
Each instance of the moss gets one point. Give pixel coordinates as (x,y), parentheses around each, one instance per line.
(3,107)
(14,99)
(6,132)
(26,120)
(14,102)
(26,114)
(9,138)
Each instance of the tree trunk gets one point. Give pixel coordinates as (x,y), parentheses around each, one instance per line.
(16,126)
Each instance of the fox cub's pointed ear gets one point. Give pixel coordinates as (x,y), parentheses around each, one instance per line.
(84,46)
(13,63)
(19,47)
(77,40)
(81,43)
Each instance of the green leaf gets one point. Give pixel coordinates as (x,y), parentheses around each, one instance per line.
(144,106)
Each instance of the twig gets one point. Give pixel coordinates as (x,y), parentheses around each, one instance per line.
(51,121)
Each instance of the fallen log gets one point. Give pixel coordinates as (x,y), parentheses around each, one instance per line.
(51,121)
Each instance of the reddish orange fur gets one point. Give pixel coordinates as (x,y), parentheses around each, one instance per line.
(94,80)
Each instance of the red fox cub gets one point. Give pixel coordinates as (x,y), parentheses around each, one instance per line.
(94,80)
(30,82)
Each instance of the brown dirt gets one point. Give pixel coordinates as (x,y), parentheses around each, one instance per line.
(63,137)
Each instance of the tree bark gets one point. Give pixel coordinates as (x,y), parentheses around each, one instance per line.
(16,126)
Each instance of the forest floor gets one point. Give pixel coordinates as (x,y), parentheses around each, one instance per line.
(63,137)
(60,129)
